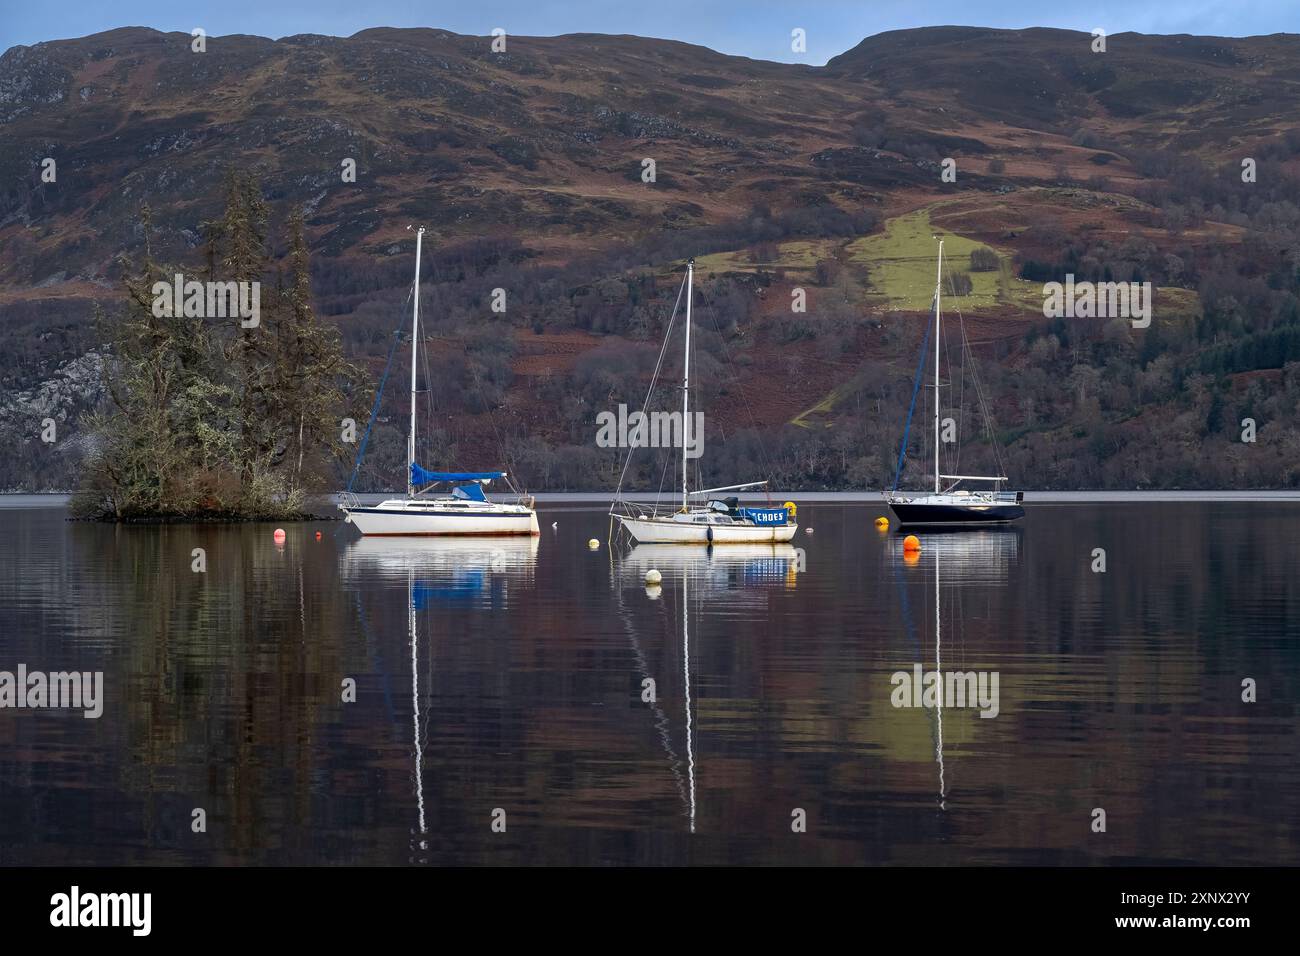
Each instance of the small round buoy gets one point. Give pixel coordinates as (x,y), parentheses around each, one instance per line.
(279,534)
(554,525)
(317,535)
(882,523)
(911,558)
(911,543)
(593,545)
(653,577)
(807,530)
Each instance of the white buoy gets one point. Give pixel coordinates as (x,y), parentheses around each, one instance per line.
(807,530)
(554,525)
(653,577)
(593,545)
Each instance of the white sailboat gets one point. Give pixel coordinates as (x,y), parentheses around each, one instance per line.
(704,516)
(464,510)
(950,505)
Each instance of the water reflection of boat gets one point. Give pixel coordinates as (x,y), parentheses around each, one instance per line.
(447,570)
(686,683)
(435,572)
(715,579)
(735,567)
(418,730)
(970,557)
(967,560)
(393,556)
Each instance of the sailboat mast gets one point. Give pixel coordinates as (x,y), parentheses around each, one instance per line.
(938,290)
(686,377)
(415,340)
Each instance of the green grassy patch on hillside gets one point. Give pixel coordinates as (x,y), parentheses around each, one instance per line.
(1176,305)
(798,255)
(901,265)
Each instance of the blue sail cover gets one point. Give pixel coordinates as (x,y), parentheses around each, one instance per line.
(421,477)
(472,492)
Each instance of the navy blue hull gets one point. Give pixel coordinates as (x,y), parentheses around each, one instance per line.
(956,514)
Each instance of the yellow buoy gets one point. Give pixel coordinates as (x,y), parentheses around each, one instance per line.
(653,577)
(789,506)
(882,523)
(593,545)
(911,543)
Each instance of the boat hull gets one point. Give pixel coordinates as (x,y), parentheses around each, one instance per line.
(379,522)
(955,514)
(667,531)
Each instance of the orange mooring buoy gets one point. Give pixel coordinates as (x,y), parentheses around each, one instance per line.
(317,535)
(278,535)
(912,543)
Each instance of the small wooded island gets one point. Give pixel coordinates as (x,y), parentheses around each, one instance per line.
(225,395)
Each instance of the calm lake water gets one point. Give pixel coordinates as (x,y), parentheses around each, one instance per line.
(522,693)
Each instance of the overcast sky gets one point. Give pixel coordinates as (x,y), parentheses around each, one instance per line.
(754,28)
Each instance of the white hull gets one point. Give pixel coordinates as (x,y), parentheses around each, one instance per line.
(402,517)
(671,531)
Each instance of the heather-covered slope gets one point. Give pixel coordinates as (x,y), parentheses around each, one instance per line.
(527,165)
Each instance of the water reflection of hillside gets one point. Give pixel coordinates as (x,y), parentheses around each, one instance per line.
(223,691)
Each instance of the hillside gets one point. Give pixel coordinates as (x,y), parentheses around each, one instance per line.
(526,166)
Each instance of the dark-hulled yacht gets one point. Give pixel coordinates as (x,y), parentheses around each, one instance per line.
(950,506)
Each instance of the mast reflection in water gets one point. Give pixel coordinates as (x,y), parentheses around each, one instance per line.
(511,676)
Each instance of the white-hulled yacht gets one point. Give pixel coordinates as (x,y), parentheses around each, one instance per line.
(705,516)
(462,508)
